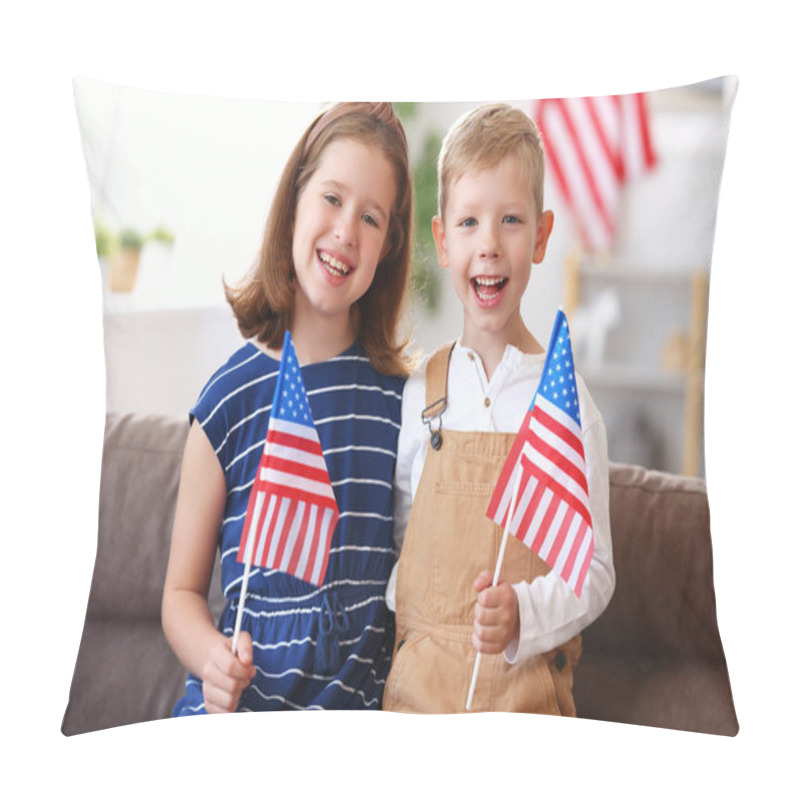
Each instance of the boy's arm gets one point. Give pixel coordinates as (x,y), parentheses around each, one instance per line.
(409,442)
(549,612)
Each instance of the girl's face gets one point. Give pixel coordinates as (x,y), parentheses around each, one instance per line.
(341,229)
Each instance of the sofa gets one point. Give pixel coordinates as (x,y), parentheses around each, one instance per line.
(654,657)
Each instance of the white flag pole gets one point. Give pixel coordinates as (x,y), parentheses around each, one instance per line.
(511,509)
(248,560)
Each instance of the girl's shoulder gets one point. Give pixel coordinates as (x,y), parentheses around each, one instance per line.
(245,365)
(354,365)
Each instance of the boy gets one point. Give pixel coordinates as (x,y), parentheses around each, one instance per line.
(461,411)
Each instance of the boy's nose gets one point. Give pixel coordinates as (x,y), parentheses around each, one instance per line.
(489,248)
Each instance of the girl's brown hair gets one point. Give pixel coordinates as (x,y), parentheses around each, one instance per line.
(263,302)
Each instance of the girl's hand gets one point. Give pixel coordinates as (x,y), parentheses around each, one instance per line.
(496,615)
(226,676)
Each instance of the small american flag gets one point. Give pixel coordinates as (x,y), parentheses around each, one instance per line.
(594,145)
(552,514)
(292,512)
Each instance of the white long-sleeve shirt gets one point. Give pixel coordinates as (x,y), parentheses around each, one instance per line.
(549,611)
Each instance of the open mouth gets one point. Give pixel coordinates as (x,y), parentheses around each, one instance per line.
(338,269)
(488,288)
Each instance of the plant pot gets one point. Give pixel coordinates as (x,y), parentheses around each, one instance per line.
(124,268)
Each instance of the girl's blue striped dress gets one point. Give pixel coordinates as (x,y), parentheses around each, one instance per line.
(314,647)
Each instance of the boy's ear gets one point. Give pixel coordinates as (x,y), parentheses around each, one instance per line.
(437,225)
(543,231)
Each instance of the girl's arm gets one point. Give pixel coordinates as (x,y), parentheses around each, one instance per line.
(188,625)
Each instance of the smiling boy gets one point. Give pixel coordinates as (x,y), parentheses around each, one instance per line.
(461,411)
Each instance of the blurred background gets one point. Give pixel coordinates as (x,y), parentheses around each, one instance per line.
(180,186)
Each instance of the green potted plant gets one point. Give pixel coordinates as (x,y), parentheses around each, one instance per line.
(103,240)
(163,235)
(425,271)
(125,261)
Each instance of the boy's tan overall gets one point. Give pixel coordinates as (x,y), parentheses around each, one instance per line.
(449,540)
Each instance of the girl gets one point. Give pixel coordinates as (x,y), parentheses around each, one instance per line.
(333,269)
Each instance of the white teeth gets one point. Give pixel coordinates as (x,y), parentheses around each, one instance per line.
(488,288)
(335,263)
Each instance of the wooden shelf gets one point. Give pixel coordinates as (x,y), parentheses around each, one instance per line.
(687,383)
(612,375)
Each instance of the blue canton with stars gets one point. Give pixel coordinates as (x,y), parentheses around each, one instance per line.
(290,402)
(558,377)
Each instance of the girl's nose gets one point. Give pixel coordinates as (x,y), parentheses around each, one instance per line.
(345,228)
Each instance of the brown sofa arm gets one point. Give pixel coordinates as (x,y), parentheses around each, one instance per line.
(655,657)
(125,671)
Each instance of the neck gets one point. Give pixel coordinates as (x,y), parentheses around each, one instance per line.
(490,345)
(318,340)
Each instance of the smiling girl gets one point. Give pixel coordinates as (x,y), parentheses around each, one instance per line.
(333,269)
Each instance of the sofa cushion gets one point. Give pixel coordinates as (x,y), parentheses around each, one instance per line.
(125,673)
(654,657)
(138,489)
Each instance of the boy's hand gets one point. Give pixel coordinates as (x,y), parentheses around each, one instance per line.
(496,615)
(226,676)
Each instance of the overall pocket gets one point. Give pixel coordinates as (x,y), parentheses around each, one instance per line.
(465,542)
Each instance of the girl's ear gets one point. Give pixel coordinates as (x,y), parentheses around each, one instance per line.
(437,226)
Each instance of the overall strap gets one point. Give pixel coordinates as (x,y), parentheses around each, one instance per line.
(436,391)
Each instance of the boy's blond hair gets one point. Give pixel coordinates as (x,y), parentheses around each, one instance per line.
(481,138)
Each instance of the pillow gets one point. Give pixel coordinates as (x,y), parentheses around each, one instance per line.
(179,189)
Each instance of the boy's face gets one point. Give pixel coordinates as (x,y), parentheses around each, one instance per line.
(490,234)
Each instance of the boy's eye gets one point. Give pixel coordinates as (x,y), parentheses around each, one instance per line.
(511,218)
(469,222)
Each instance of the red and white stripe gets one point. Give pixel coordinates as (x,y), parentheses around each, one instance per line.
(552,514)
(292,511)
(593,145)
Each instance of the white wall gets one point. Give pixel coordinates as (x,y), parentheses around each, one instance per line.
(159,158)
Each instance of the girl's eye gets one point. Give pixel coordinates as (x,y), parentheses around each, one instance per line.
(370,220)
(332,199)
